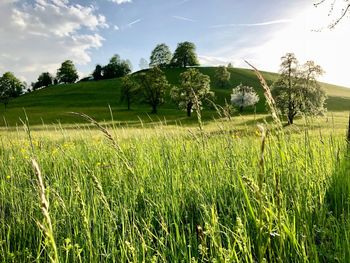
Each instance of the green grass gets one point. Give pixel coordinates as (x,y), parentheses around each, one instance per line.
(51,105)
(175,194)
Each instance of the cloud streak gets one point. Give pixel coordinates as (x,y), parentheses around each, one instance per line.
(184,18)
(267,23)
(134,22)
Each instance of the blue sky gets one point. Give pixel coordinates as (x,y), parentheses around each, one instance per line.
(37,35)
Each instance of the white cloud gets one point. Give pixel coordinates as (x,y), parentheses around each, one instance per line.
(121,1)
(38,37)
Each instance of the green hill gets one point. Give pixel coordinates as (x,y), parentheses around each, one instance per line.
(53,104)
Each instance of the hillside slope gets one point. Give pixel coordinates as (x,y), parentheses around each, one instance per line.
(53,104)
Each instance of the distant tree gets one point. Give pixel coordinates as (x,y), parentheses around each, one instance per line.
(127,61)
(44,80)
(185,55)
(143,64)
(297,90)
(229,65)
(67,73)
(10,87)
(161,56)
(153,85)
(222,76)
(116,68)
(244,96)
(194,88)
(129,90)
(97,74)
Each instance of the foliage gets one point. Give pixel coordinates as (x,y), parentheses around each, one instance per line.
(97,74)
(129,90)
(222,76)
(51,104)
(143,64)
(116,68)
(194,88)
(44,80)
(67,73)
(185,55)
(10,87)
(161,56)
(244,96)
(153,85)
(297,90)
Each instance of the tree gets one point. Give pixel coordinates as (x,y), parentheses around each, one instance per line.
(344,9)
(244,96)
(185,55)
(161,56)
(129,91)
(10,87)
(222,76)
(116,68)
(153,84)
(44,80)
(67,73)
(297,90)
(229,65)
(194,88)
(97,74)
(143,64)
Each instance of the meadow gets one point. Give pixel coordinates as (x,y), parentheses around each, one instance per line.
(95,98)
(228,191)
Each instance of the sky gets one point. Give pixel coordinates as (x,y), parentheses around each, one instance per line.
(38,35)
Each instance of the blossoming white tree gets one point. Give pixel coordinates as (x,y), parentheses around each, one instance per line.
(244,96)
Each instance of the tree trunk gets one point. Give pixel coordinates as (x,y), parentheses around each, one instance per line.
(129,104)
(154,109)
(189,109)
(290,118)
(241,109)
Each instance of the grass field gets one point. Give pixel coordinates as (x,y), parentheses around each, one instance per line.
(166,188)
(51,105)
(165,193)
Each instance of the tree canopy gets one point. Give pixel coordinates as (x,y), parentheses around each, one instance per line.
(129,90)
(10,87)
(297,90)
(243,96)
(153,84)
(222,76)
(185,55)
(161,56)
(193,89)
(67,73)
(116,68)
(45,79)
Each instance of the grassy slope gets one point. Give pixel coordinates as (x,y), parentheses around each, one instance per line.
(52,104)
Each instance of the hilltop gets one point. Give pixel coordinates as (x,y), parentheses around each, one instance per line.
(53,104)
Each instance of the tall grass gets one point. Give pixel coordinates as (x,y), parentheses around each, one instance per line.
(162,195)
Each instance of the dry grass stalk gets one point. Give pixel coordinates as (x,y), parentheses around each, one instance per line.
(267,93)
(47,225)
(120,152)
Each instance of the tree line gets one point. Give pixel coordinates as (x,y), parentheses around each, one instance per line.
(295,91)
